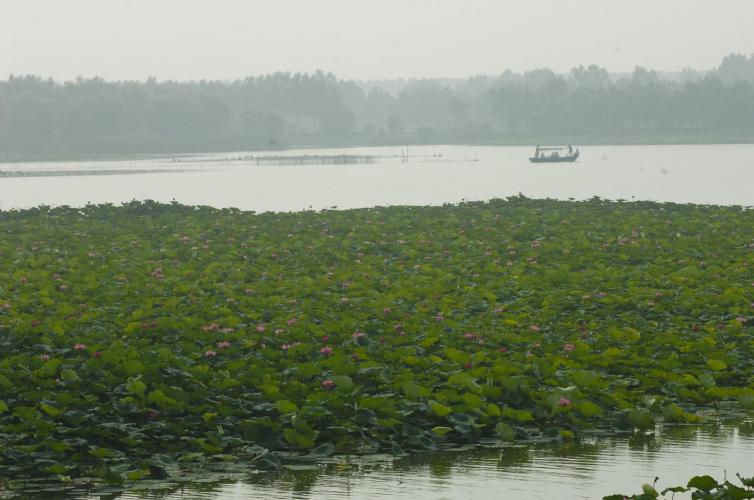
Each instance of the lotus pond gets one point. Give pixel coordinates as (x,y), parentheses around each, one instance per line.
(140,338)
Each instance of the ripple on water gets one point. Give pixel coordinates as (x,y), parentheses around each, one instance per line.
(588,469)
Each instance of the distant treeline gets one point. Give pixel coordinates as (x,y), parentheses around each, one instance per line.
(41,117)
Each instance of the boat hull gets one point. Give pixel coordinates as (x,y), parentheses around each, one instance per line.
(555,159)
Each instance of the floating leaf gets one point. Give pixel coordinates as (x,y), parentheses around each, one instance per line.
(440,409)
(323,450)
(69,375)
(716,365)
(441,431)
(285,406)
(504,431)
(704,483)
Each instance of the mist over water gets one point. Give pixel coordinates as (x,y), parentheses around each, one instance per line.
(296,105)
(433,175)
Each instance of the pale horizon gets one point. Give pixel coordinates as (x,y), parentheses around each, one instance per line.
(233,39)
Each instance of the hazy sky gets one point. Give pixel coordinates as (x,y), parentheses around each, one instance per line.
(225,39)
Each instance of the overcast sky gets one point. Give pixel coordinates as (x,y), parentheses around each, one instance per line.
(226,39)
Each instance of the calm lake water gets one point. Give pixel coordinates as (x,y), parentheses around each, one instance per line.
(717,174)
(589,469)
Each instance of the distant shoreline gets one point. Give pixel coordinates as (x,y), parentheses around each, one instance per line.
(619,139)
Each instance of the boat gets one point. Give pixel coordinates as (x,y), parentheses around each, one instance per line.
(554,156)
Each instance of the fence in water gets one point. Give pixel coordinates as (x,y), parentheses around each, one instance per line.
(316,160)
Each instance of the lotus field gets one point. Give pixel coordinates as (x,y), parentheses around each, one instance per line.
(138,336)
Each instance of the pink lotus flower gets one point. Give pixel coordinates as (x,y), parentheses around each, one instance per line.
(79,347)
(328,384)
(292,321)
(157,273)
(439,317)
(564,402)
(535,328)
(260,327)
(498,310)
(45,357)
(386,310)
(468,365)
(358,334)
(503,349)
(325,338)
(326,351)
(212,327)
(568,347)
(97,354)
(471,336)
(210,354)
(223,344)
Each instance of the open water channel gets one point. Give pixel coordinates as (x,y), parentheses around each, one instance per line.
(718,174)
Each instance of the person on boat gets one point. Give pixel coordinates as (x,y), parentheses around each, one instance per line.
(570,149)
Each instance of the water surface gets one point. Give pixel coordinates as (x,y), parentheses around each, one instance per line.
(709,174)
(589,469)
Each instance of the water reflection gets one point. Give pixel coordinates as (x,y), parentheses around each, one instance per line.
(589,468)
(746,429)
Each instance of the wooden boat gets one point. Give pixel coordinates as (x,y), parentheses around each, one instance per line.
(554,156)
